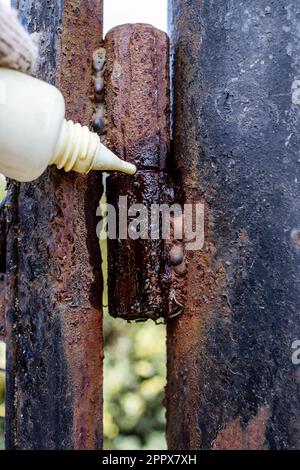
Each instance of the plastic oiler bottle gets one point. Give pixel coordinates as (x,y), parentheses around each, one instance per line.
(34,133)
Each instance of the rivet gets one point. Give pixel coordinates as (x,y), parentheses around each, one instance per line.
(99,124)
(180,269)
(99,59)
(176,255)
(99,97)
(98,84)
(100,111)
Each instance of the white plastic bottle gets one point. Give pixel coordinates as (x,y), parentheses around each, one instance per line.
(34,133)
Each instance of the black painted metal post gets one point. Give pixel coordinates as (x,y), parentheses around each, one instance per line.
(232,383)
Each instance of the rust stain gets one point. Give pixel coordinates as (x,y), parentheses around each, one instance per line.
(137,94)
(295,235)
(252,437)
(243,237)
(3,302)
(54,319)
(220,351)
(3,291)
(201,292)
(137,105)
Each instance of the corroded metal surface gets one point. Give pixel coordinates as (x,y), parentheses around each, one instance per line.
(139,277)
(54,385)
(2,237)
(137,82)
(231,380)
(2,269)
(137,100)
(3,301)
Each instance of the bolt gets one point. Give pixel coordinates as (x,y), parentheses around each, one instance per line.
(180,269)
(98,84)
(99,97)
(99,124)
(101,111)
(99,120)
(99,59)
(176,255)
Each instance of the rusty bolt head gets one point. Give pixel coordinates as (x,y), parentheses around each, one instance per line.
(176,255)
(99,97)
(99,124)
(180,269)
(99,59)
(98,84)
(100,112)
(99,119)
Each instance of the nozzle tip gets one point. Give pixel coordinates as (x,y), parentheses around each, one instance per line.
(106,160)
(129,168)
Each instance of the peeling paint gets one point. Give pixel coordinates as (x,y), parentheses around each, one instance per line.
(252,437)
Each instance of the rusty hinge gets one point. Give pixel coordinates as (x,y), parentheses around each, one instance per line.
(145,272)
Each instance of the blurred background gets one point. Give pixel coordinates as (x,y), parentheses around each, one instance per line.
(134,381)
(135,357)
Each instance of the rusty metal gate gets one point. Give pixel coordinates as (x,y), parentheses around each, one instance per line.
(231,307)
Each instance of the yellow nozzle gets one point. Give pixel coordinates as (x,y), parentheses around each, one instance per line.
(80,150)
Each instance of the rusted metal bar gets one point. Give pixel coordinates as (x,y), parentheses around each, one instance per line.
(2,237)
(137,102)
(231,380)
(2,269)
(3,302)
(54,377)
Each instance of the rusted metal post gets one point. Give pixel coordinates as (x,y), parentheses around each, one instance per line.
(54,319)
(2,272)
(2,269)
(231,380)
(137,97)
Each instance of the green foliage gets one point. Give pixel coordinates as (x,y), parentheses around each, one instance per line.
(134,381)
(2,186)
